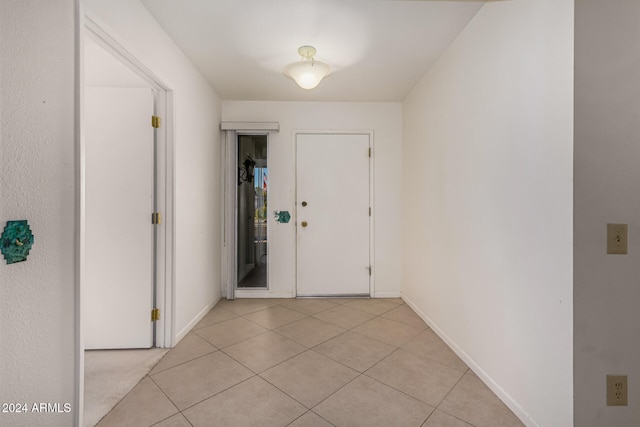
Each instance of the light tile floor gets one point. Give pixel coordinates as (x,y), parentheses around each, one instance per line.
(311,362)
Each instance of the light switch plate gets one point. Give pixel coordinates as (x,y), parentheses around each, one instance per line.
(617,239)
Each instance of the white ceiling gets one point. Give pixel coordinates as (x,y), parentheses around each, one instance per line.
(377,49)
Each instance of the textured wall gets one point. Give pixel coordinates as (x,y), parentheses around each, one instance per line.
(488,202)
(607,183)
(37,184)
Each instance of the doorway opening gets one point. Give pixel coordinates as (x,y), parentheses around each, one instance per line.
(108,67)
(125,222)
(252,212)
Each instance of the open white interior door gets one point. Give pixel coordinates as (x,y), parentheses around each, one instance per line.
(333,214)
(119,191)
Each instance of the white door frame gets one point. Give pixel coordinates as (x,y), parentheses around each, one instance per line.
(229,272)
(229,230)
(370,133)
(164,200)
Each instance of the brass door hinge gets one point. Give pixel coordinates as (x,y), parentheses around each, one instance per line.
(155,121)
(369,211)
(155,314)
(369,151)
(156,218)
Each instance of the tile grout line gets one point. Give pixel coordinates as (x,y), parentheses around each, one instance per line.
(165,394)
(331,394)
(360,374)
(214,395)
(308,410)
(185,362)
(284,392)
(270,367)
(404,393)
(445,398)
(307,349)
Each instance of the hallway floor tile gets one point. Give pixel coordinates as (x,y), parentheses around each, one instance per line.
(313,362)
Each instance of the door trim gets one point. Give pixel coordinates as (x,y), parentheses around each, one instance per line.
(229,271)
(164,200)
(88,25)
(370,133)
(229,233)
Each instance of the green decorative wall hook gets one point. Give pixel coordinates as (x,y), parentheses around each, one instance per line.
(16,241)
(282,217)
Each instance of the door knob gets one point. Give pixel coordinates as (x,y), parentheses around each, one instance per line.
(304,204)
(304,223)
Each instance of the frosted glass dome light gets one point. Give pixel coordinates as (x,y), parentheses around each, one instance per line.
(307,72)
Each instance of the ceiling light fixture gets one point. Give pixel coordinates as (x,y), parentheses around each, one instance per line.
(307,72)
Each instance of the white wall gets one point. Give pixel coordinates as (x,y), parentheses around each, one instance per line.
(37,183)
(607,190)
(488,203)
(197,154)
(385,119)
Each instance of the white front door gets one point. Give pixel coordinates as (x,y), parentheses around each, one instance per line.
(333,214)
(118,277)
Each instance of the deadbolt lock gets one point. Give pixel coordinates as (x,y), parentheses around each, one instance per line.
(304,203)
(304,223)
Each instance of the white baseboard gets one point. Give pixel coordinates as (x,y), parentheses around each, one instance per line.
(194,322)
(264,293)
(261,293)
(511,403)
(386,295)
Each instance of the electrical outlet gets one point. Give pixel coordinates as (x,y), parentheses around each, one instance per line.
(616,390)
(617,239)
